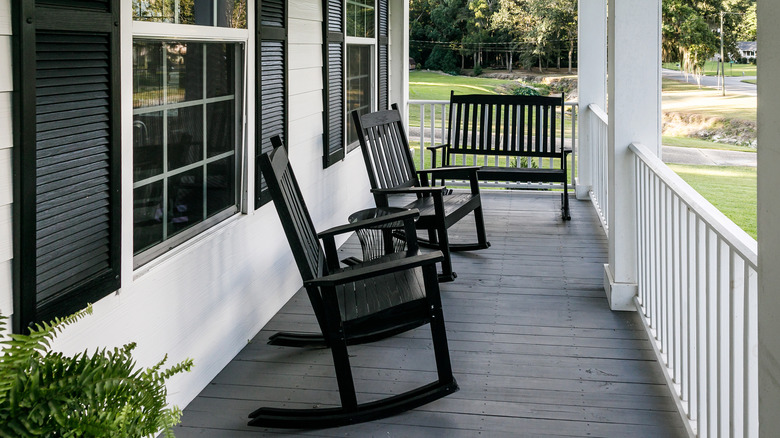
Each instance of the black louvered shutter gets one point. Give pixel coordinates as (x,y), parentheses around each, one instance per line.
(333,90)
(271,83)
(67,238)
(383,57)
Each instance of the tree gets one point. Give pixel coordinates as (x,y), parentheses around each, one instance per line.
(689,32)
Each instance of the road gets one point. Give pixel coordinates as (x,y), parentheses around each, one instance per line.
(708,157)
(733,84)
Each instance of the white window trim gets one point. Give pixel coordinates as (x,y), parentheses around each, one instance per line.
(132,30)
(361,41)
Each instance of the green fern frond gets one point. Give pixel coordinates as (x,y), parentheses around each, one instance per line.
(46,393)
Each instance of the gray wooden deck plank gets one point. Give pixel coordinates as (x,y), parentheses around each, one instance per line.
(534,346)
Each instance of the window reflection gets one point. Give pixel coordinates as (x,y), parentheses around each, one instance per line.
(185,135)
(358,85)
(221,13)
(360,18)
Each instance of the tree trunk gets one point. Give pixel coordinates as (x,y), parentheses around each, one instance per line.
(509,55)
(571,53)
(540,65)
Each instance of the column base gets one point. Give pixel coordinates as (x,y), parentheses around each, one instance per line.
(581,191)
(619,295)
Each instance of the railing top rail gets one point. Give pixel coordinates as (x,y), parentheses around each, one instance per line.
(599,113)
(437,102)
(735,236)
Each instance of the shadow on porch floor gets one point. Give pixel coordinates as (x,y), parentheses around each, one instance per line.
(535,349)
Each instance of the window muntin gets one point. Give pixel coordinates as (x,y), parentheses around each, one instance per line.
(220,13)
(186,121)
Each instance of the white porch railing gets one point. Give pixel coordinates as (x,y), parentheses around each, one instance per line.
(697,298)
(428,125)
(599,192)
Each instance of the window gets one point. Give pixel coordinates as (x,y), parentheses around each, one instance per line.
(186,139)
(356,64)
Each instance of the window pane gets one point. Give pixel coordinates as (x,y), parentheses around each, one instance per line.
(358,85)
(185,200)
(220,69)
(184,66)
(162,11)
(185,136)
(147,216)
(220,185)
(147,74)
(229,13)
(147,145)
(360,18)
(185,140)
(221,127)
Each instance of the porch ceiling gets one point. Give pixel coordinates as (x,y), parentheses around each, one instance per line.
(535,349)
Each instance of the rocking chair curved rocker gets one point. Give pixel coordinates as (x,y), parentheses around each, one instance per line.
(355,304)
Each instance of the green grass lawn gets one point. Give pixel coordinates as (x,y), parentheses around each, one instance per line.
(687,142)
(732,190)
(711,67)
(427,85)
(750,81)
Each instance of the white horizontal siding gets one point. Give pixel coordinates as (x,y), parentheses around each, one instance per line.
(6,171)
(205,299)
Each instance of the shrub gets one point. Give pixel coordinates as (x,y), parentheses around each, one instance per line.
(524,91)
(477,70)
(47,394)
(442,59)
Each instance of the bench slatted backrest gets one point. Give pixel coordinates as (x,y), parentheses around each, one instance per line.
(386,149)
(505,125)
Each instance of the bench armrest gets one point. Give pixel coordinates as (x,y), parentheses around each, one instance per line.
(347,228)
(438,146)
(374,270)
(410,190)
(451,172)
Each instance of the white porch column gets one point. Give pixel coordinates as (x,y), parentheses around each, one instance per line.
(768,224)
(399,53)
(634,89)
(592,84)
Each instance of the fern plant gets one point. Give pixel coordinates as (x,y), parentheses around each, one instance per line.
(44,393)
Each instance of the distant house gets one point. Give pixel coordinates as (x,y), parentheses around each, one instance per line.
(747,49)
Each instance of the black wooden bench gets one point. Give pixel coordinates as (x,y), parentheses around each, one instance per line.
(509,133)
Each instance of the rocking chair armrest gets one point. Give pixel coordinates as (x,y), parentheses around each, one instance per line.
(408,190)
(369,223)
(375,270)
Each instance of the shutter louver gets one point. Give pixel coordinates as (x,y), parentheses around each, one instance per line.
(383,57)
(72,162)
(69,185)
(334,99)
(271,85)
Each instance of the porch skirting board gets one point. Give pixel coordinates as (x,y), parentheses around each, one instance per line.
(619,295)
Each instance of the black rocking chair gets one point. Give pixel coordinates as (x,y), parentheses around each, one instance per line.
(355,304)
(391,171)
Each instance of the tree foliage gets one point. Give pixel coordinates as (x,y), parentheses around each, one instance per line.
(494,32)
(44,393)
(691,30)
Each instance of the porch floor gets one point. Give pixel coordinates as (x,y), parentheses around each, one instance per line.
(535,349)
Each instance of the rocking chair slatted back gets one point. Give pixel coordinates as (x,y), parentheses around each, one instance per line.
(388,151)
(308,253)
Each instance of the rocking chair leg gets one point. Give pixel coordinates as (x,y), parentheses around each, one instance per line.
(480,222)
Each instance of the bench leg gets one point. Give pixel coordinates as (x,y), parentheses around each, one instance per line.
(565,203)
